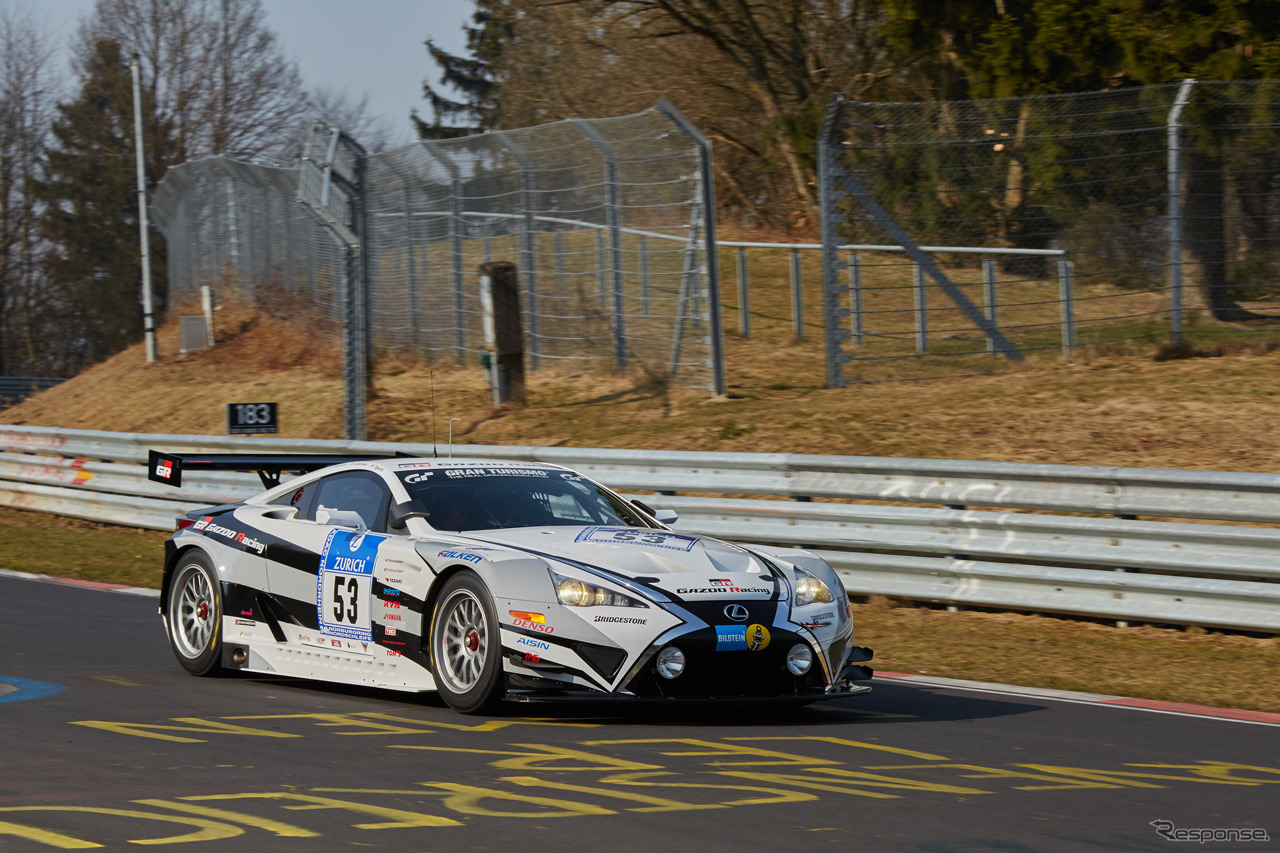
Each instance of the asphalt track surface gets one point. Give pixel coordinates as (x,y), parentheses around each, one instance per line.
(108,743)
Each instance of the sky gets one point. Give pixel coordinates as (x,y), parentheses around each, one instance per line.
(374,47)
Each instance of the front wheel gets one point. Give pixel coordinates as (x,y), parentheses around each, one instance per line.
(466,658)
(194,614)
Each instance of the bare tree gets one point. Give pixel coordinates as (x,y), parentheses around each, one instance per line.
(214,69)
(352,114)
(27,94)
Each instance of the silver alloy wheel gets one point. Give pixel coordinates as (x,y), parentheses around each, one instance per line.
(194,611)
(463,642)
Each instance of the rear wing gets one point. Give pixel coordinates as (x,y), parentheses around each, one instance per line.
(168,467)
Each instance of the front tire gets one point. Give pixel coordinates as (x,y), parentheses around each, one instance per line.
(466,650)
(194,614)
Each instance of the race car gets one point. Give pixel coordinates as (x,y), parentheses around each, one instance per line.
(487,580)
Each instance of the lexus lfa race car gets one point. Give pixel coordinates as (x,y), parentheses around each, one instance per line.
(488,580)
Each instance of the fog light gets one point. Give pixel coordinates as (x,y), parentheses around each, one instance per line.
(670,662)
(799,659)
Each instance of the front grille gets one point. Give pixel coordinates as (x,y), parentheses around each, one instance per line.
(729,674)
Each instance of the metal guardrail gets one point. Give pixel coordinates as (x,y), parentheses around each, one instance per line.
(971,550)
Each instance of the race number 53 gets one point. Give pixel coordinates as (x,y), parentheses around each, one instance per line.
(344,588)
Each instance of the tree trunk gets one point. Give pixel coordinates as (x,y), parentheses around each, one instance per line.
(1205,233)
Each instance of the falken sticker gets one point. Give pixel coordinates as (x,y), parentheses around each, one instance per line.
(631,536)
(344,586)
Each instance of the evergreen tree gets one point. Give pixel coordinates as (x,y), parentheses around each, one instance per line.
(476,78)
(91,210)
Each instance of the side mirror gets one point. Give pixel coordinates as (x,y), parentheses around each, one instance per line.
(400,513)
(662,516)
(341,518)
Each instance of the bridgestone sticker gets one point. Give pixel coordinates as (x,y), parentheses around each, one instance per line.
(344,588)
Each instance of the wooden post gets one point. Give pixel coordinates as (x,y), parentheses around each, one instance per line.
(504,336)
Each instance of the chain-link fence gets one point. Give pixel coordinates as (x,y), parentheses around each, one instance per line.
(1037,225)
(609,222)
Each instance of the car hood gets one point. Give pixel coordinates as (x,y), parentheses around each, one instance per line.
(676,562)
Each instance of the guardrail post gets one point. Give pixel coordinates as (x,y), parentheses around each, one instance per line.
(744,308)
(855,296)
(989,297)
(921,308)
(797,296)
(1066,288)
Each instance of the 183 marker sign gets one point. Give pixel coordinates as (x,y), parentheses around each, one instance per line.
(247,418)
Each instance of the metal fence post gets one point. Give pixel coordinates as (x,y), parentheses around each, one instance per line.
(412,269)
(457,229)
(559,263)
(1067,287)
(528,247)
(855,297)
(921,301)
(797,297)
(644,275)
(1174,207)
(744,308)
(989,297)
(613,221)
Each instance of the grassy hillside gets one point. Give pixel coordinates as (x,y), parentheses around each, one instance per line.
(1205,413)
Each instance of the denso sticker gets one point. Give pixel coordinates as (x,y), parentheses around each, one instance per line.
(632,536)
(344,586)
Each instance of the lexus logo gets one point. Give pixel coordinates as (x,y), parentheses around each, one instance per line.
(736,612)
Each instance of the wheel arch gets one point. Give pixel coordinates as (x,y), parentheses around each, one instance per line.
(171,561)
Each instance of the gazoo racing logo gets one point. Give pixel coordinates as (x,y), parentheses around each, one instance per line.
(723,585)
(164,468)
(207,525)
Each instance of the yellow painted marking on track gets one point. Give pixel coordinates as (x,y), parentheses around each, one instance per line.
(717,748)
(1123,777)
(910,753)
(542,756)
(841,781)
(206,830)
(1220,771)
(194,725)
(653,804)
(774,795)
(393,818)
(976,771)
(466,799)
(45,836)
(285,830)
(115,679)
(417,726)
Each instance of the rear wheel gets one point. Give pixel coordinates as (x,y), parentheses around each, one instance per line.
(194,614)
(466,658)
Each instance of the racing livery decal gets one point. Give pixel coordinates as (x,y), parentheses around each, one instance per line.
(344,587)
(629,536)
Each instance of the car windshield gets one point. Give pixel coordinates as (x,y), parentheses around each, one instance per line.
(486,498)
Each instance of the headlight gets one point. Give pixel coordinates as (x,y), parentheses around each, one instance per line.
(670,662)
(575,593)
(810,590)
(799,659)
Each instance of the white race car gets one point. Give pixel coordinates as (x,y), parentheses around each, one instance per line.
(487,580)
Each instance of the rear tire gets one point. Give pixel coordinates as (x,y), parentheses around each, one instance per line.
(193,614)
(466,649)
